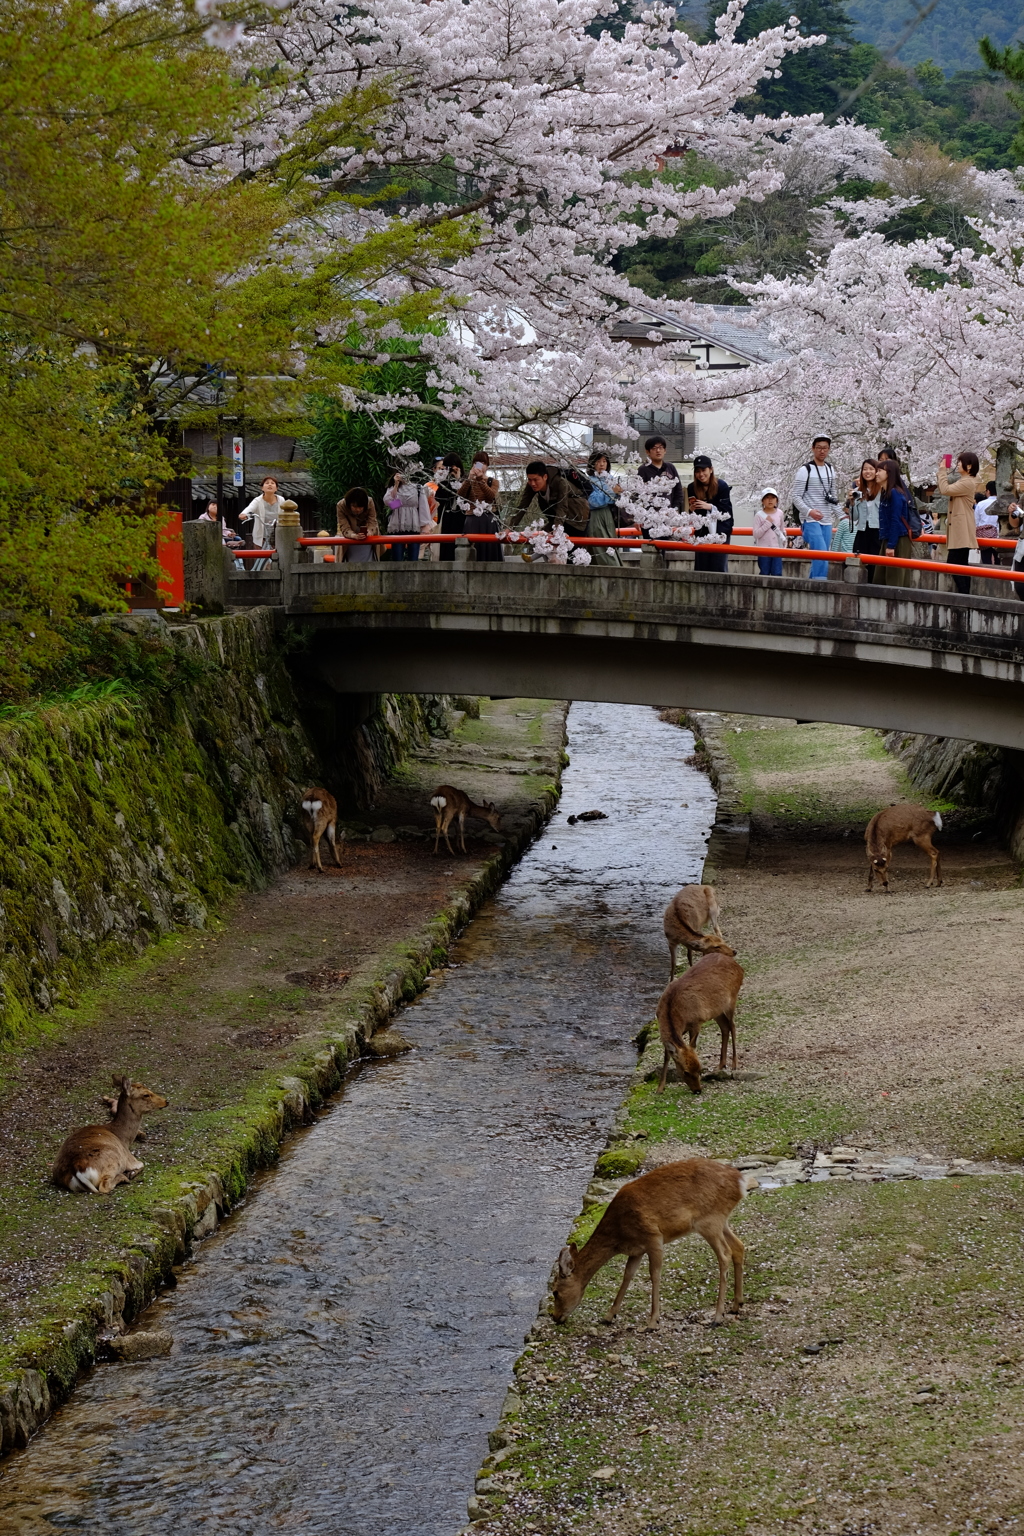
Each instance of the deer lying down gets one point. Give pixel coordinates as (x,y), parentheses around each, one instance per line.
(709,990)
(320,814)
(659,1207)
(686,917)
(901,824)
(96,1158)
(455,805)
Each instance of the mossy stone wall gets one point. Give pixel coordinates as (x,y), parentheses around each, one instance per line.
(124,817)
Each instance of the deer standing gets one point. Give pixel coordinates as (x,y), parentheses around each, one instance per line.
(320,813)
(453,804)
(676,1199)
(709,990)
(901,824)
(686,917)
(97,1158)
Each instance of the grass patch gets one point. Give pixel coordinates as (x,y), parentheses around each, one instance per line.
(911,1407)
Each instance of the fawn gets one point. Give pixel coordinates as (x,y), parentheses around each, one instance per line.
(686,917)
(676,1199)
(320,813)
(709,990)
(901,824)
(99,1157)
(453,804)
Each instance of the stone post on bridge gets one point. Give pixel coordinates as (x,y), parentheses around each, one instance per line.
(287,544)
(205,575)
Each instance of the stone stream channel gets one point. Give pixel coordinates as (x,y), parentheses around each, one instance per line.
(344,1342)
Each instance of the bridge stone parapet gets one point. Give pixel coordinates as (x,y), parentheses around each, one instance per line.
(847,651)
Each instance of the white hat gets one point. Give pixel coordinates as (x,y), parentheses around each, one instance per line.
(770,490)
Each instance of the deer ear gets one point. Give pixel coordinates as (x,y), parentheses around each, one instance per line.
(565,1261)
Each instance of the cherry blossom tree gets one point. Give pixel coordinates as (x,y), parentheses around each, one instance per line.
(508,122)
(915,345)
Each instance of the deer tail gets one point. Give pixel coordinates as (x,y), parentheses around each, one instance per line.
(938,822)
(748,1182)
(438,802)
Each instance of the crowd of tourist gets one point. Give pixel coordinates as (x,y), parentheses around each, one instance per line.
(877,513)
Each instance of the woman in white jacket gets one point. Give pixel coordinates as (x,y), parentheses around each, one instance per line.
(263,512)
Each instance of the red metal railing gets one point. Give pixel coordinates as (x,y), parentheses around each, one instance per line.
(636,541)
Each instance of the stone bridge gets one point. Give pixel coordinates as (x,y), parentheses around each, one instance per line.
(839,650)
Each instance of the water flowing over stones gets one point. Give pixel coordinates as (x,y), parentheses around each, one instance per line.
(344,1343)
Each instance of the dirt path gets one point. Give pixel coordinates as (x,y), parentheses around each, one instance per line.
(214,1019)
(875,1386)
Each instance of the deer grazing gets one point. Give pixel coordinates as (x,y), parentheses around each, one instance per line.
(686,917)
(901,824)
(659,1207)
(320,814)
(709,990)
(97,1158)
(453,804)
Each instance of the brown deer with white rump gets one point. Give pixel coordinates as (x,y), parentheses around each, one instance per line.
(709,990)
(659,1207)
(686,917)
(901,824)
(96,1158)
(454,805)
(320,814)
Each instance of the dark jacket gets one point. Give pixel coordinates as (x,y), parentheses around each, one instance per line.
(483,520)
(722,499)
(450,516)
(559,502)
(647,473)
(893,517)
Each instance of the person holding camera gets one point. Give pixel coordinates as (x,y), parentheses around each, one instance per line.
(814,497)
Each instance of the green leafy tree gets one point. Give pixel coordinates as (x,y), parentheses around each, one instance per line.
(815,79)
(1008,62)
(348,448)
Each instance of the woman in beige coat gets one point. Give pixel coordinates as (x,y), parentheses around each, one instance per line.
(961,534)
(357,519)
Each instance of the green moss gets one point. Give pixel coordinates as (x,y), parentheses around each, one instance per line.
(620,1162)
(122,818)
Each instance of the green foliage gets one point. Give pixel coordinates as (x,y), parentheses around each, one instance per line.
(946,36)
(1008,62)
(132,279)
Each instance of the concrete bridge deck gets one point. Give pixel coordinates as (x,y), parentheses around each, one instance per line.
(842,650)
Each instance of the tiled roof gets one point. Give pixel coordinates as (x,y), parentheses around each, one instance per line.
(721,325)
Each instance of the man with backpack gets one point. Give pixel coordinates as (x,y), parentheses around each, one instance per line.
(553,495)
(815,500)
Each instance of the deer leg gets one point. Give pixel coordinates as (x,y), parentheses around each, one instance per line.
(445,829)
(724,1023)
(655,1259)
(664,1071)
(331,838)
(936,867)
(717,1242)
(462,830)
(738,1251)
(632,1265)
(437,829)
(315,840)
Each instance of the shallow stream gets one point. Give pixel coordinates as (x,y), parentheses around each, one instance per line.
(344,1341)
